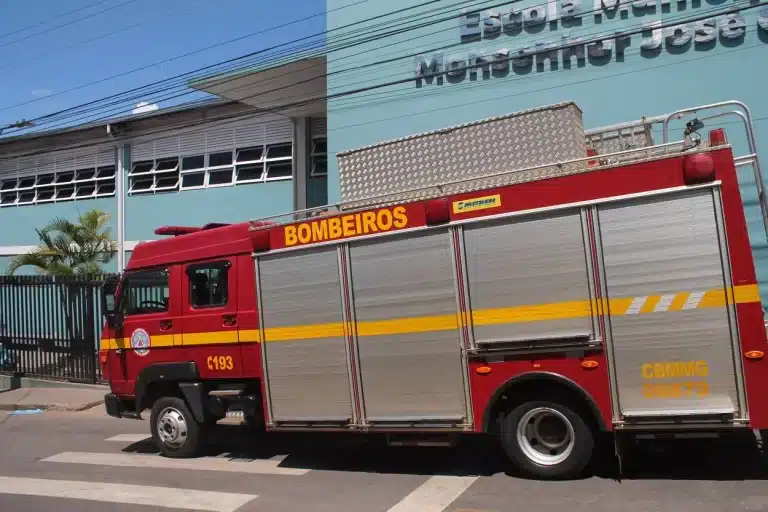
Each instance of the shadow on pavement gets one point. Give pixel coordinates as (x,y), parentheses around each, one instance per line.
(736,458)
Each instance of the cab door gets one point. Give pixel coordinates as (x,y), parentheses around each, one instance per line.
(210,323)
(150,325)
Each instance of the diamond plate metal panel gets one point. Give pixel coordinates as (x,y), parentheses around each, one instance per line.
(613,141)
(411,167)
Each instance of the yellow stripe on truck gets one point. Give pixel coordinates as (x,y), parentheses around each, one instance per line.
(641,305)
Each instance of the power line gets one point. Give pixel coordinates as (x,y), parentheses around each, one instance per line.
(188,54)
(94,4)
(58,115)
(25,38)
(58,49)
(191,92)
(192,74)
(228,118)
(591,41)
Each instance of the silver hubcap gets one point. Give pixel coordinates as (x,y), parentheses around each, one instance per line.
(172,427)
(545,436)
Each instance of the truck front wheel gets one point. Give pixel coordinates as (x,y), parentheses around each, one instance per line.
(547,440)
(174,429)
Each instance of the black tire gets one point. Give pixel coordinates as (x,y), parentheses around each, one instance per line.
(572,465)
(190,442)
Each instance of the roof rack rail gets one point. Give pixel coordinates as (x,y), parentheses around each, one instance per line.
(616,144)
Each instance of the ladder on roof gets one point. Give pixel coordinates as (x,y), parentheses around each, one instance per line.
(615,144)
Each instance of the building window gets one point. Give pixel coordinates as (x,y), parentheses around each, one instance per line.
(160,175)
(208,284)
(319,158)
(223,168)
(145,292)
(50,187)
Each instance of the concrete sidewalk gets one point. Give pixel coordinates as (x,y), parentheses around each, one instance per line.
(52,399)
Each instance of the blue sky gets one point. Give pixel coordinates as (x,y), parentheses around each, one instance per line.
(40,63)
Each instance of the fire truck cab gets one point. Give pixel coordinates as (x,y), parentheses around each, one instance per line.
(560,285)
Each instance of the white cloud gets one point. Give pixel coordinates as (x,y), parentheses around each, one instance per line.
(143,107)
(41,93)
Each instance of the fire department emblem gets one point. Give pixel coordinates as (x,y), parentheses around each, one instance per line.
(140,341)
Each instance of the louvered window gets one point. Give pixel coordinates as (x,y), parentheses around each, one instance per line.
(222,156)
(73,175)
(319,155)
(319,158)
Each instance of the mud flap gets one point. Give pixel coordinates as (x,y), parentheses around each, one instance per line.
(193,395)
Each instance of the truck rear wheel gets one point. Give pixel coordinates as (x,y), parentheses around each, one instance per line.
(174,429)
(547,440)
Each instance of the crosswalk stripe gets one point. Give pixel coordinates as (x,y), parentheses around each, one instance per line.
(263,467)
(128,438)
(168,497)
(434,495)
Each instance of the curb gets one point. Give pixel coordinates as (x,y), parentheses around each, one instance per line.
(51,407)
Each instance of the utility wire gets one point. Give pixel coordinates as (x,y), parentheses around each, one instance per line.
(142,91)
(223,81)
(542,51)
(69,111)
(227,118)
(58,49)
(200,50)
(94,4)
(25,38)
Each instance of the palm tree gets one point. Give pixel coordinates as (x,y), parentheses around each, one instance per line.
(69,249)
(74,250)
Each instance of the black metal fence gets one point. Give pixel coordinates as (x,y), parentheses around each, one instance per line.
(50,327)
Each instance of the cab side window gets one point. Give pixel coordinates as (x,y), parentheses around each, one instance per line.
(208,284)
(145,292)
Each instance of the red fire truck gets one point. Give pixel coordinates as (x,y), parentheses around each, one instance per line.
(516,276)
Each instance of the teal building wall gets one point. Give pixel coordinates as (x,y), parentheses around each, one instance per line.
(638,58)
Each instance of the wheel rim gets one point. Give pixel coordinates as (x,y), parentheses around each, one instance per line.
(172,427)
(545,436)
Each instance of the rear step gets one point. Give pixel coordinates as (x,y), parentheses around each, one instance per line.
(225,392)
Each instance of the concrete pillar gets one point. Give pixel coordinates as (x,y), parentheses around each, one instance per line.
(123,161)
(302,147)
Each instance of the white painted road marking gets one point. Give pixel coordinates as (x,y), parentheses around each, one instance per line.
(262,467)
(435,494)
(168,497)
(129,438)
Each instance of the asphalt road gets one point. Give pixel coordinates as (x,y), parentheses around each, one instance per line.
(85,461)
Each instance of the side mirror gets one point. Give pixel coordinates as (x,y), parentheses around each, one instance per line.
(109,301)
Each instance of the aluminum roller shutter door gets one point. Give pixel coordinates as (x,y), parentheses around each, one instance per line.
(661,256)
(407,326)
(528,279)
(307,366)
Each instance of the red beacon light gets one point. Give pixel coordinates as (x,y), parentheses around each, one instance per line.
(717,138)
(186,230)
(176,230)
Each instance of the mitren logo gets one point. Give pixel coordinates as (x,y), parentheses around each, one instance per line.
(703,31)
(354,224)
(476,203)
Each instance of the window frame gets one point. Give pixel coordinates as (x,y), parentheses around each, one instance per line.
(316,156)
(34,185)
(191,268)
(125,292)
